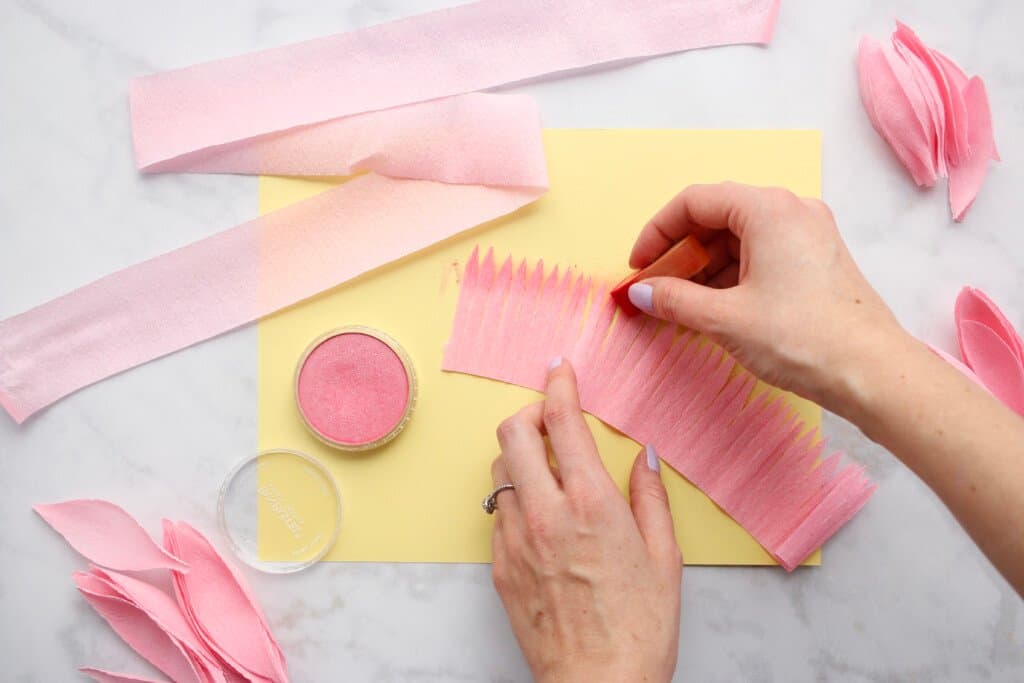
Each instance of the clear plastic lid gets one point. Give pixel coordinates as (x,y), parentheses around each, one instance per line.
(280,511)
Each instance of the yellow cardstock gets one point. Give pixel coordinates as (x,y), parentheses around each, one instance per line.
(417,499)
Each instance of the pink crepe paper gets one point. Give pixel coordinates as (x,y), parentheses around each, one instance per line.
(211,630)
(91,527)
(388,100)
(991,347)
(746,450)
(221,609)
(139,630)
(935,118)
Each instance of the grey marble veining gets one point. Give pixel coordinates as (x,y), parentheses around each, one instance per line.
(903,595)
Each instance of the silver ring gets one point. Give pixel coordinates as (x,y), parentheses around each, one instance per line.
(490,503)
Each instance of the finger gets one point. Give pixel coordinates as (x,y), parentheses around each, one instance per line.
(727,277)
(500,559)
(526,458)
(649,501)
(698,307)
(725,206)
(718,249)
(570,437)
(733,243)
(507,501)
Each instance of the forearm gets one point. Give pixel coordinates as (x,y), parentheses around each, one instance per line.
(966,445)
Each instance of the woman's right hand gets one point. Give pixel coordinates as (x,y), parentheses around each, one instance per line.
(794,310)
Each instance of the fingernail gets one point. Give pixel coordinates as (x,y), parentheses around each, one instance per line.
(653,464)
(642,296)
(555,362)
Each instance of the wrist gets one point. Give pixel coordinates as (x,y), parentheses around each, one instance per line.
(610,671)
(864,376)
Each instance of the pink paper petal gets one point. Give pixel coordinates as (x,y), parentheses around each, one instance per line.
(995,363)
(934,117)
(110,677)
(887,100)
(220,608)
(965,179)
(974,304)
(164,611)
(683,395)
(105,534)
(956,145)
(139,631)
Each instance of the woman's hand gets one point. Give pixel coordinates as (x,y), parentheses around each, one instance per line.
(794,309)
(591,587)
(797,312)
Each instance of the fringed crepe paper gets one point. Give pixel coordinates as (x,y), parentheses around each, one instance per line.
(663,386)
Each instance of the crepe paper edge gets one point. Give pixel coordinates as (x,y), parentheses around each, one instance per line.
(7,402)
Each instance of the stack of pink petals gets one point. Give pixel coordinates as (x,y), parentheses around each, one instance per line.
(210,631)
(992,350)
(934,116)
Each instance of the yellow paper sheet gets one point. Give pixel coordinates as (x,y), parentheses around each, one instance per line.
(418,498)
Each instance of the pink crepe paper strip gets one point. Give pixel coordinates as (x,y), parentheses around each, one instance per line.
(107,535)
(371,100)
(747,451)
(211,630)
(935,118)
(991,347)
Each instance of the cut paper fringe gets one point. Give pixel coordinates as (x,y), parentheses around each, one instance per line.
(210,631)
(992,350)
(390,100)
(935,118)
(660,385)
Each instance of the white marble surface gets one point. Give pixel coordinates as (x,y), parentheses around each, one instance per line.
(904,595)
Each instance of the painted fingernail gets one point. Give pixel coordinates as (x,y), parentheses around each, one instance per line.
(653,464)
(555,362)
(642,296)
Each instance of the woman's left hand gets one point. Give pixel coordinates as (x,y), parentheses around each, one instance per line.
(591,586)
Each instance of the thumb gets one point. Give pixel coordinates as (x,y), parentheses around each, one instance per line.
(649,500)
(690,304)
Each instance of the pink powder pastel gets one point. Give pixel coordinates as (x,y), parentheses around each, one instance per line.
(353,389)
